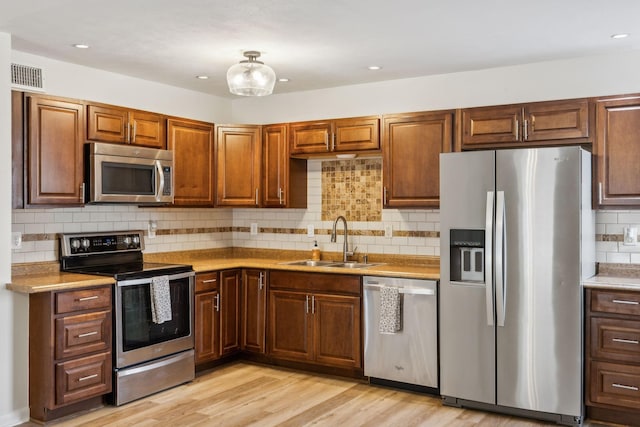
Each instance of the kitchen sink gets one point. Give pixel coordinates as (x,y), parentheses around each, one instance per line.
(311,263)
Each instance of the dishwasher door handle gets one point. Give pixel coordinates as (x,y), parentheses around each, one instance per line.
(406,291)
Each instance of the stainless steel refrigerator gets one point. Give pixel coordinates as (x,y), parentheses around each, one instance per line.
(517,238)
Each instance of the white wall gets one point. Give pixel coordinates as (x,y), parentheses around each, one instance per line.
(14,322)
(75,81)
(571,78)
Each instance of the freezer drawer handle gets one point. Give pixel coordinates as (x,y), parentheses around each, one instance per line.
(406,291)
(623,341)
(622,301)
(625,387)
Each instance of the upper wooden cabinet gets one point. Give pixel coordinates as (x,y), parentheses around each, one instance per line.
(115,124)
(192,145)
(617,152)
(540,123)
(55,137)
(329,136)
(284,179)
(238,156)
(411,147)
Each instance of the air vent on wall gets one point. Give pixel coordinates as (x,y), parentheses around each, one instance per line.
(28,78)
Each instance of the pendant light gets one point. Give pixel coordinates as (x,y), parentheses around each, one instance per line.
(251,77)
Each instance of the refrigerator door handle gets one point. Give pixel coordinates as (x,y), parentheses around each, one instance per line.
(501,251)
(488,257)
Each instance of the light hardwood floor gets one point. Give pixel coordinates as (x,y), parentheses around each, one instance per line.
(244,394)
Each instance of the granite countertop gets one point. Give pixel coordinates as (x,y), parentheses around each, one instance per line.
(45,277)
(613,283)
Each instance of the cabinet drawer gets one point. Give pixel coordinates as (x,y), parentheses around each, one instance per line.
(614,384)
(80,379)
(82,334)
(85,299)
(206,282)
(315,282)
(617,302)
(615,339)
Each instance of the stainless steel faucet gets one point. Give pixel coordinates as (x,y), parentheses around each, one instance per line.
(345,249)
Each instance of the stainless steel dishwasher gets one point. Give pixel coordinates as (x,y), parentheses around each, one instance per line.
(407,358)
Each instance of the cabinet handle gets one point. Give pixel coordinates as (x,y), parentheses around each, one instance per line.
(625,387)
(210,281)
(260,283)
(384,196)
(306,304)
(88,334)
(526,130)
(128,132)
(333,142)
(326,140)
(623,301)
(313,304)
(88,298)
(135,127)
(623,341)
(256,197)
(600,193)
(88,377)
(280,194)
(516,129)
(82,192)
(217,302)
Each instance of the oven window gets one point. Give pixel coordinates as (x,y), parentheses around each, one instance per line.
(123,178)
(138,330)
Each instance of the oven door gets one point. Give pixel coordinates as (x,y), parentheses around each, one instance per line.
(138,338)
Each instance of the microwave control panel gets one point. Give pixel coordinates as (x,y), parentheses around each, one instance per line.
(166,171)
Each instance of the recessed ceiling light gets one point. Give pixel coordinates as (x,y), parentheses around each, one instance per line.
(81,46)
(374,67)
(283,80)
(202,77)
(620,36)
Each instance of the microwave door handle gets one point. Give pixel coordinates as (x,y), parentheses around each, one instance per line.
(159,181)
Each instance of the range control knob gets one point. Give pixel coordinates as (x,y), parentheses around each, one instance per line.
(127,240)
(85,243)
(75,244)
(136,240)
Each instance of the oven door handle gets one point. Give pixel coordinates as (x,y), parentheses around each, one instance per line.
(147,280)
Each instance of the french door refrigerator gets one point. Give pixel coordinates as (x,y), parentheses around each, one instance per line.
(517,238)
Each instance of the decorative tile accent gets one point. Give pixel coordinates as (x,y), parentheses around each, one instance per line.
(352,188)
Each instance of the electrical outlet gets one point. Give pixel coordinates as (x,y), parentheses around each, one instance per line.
(16,240)
(254,228)
(152,228)
(388,231)
(311,231)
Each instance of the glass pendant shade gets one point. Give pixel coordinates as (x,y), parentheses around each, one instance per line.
(251,77)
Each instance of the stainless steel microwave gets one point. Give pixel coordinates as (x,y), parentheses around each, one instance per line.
(128,174)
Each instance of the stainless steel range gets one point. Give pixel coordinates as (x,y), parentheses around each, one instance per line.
(153,311)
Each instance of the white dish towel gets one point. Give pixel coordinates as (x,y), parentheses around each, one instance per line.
(390,310)
(160,299)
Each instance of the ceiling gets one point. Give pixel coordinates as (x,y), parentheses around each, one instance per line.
(315,43)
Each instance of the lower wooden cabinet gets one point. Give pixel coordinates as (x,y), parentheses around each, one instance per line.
(70,359)
(612,356)
(230,293)
(254,306)
(315,318)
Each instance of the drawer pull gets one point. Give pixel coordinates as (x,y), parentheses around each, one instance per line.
(209,281)
(625,387)
(622,340)
(88,298)
(88,377)
(88,334)
(623,301)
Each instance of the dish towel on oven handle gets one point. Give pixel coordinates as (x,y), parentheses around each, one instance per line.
(160,299)
(390,310)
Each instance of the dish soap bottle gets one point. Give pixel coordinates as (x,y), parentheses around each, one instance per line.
(315,252)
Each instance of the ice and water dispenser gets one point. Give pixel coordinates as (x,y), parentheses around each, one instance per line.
(467,255)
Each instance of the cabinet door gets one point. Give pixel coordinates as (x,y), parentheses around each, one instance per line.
(238,157)
(107,124)
(337,330)
(148,129)
(192,145)
(230,293)
(356,134)
(617,152)
(310,137)
(207,326)
(290,328)
(411,148)
(253,310)
(491,125)
(275,155)
(556,120)
(55,140)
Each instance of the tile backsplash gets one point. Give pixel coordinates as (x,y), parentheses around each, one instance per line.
(610,246)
